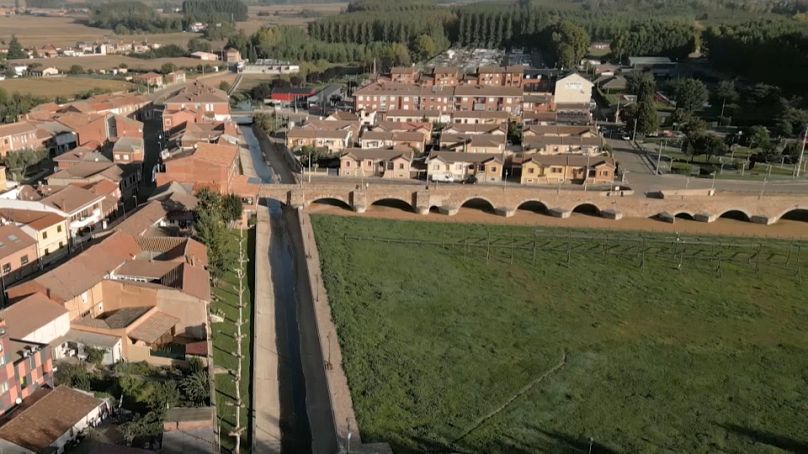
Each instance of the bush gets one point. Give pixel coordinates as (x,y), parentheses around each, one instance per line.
(94,355)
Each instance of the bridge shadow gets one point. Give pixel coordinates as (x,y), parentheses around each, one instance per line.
(479,204)
(534,207)
(331,202)
(394,204)
(796,215)
(587,209)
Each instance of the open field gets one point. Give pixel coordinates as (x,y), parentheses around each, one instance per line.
(448,351)
(113,61)
(224,348)
(51,87)
(66,30)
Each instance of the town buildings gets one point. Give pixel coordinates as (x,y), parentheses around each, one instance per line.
(385,163)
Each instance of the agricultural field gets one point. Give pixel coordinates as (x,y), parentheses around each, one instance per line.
(66,87)
(460,338)
(108,62)
(66,30)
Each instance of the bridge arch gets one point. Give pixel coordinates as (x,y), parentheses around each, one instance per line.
(690,216)
(331,200)
(795,214)
(736,214)
(479,203)
(534,205)
(394,202)
(587,208)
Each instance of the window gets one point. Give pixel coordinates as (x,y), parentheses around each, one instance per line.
(6,268)
(24,260)
(24,382)
(47,252)
(59,229)
(494,169)
(401,166)
(531,170)
(347,163)
(45,235)
(555,169)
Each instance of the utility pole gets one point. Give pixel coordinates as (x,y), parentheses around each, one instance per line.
(802,152)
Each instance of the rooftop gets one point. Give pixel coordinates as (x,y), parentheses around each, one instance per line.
(14,239)
(30,314)
(39,425)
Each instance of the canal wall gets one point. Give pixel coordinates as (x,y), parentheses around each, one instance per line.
(266,405)
(339,394)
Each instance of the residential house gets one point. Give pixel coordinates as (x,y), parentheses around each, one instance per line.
(53,420)
(431,116)
(333,140)
(91,129)
(78,155)
(55,137)
(125,176)
(175,77)
(455,166)
(18,253)
(537,102)
(205,56)
(383,97)
(567,168)
(210,165)
(290,96)
(18,136)
(480,117)
(658,66)
(232,55)
(122,126)
(201,99)
(189,429)
(150,79)
(341,115)
(386,163)
(195,133)
(82,207)
(384,139)
(128,150)
(26,367)
(49,229)
(562,139)
(38,320)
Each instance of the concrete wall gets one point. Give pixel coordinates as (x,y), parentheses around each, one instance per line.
(50,331)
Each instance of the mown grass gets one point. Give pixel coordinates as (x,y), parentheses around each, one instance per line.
(658,359)
(52,87)
(224,349)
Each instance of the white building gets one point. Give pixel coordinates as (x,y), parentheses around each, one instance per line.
(573,90)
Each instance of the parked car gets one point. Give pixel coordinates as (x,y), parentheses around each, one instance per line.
(443,178)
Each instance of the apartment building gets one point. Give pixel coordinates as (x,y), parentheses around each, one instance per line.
(480,117)
(404,75)
(562,139)
(214,166)
(379,162)
(490,98)
(500,76)
(199,97)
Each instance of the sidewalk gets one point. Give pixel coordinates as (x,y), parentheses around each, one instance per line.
(266,401)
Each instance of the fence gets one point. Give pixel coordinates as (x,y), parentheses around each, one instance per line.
(679,251)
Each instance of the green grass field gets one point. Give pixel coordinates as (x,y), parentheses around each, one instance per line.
(437,338)
(224,348)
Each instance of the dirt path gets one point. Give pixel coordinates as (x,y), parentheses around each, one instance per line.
(785,228)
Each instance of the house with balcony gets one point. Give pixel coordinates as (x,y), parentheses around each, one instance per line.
(567,168)
(49,229)
(81,207)
(376,139)
(389,163)
(490,98)
(458,166)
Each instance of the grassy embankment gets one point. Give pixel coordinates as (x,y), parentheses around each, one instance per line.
(224,348)
(436,338)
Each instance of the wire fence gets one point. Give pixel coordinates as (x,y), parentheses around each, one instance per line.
(678,251)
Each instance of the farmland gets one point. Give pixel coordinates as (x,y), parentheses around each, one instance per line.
(491,349)
(113,61)
(61,86)
(66,30)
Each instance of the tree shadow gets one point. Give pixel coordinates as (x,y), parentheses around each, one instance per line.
(768,438)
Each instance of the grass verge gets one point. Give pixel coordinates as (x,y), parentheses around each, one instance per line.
(437,338)
(224,348)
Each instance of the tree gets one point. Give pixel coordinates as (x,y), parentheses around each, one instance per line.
(710,145)
(75,69)
(224,86)
(168,68)
(15,49)
(232,207)
(211,230)
(646,119)
(73,375)
(196,386)
(690,94)
(568,43)
(94,355)
(759,138)
(199,45)
(424,47)
(17,162)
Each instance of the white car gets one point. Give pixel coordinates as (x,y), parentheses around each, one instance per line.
(443,178)
(626,137)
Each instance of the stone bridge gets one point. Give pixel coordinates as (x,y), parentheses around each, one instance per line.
(505,200)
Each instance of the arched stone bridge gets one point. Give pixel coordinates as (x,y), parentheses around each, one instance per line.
(505,200)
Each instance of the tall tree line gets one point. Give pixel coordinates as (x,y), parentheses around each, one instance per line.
(214,10)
